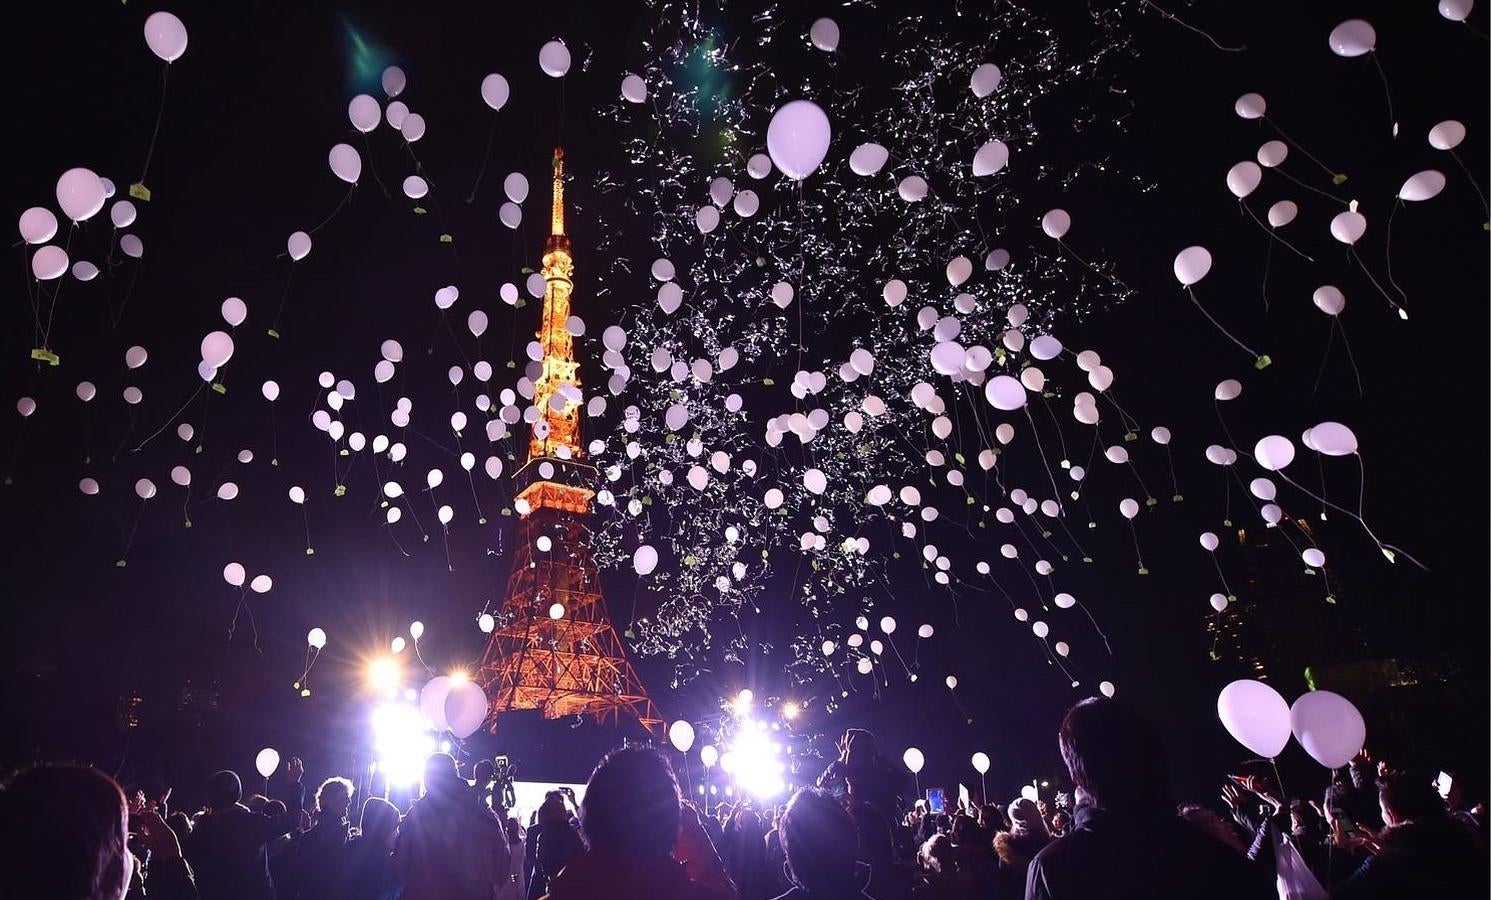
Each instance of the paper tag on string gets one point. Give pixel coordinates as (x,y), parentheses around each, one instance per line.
(139,191)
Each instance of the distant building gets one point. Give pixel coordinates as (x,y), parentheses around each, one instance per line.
(1282,617)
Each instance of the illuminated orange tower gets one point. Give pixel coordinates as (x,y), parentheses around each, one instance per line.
(554,648)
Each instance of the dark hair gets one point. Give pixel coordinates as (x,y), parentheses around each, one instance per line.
(379,818)
(1409,796)
(820,841)
(274,808)
(439,767)
(62,834)
(1308,817)
(1115,755)
(631,804)
(335,784)
(224,789)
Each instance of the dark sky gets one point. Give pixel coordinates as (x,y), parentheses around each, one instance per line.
(261,94)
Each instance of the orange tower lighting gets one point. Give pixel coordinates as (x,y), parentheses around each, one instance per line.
(554,648)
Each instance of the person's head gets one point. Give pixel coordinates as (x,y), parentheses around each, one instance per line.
(552,810)
(1213,825)
(380,819)
(223,790)
(1303,819)
(936,855)
(1025,818)
(256,802)
(1405,797)
(181,823)
(965,830)
(1114,756)
(63,831)
(483,773)
(274,809)
(440,771)
(820,842)
(631,804)
(333,797)
(860,744)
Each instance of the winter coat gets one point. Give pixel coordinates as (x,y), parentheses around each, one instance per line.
(1111,856)
(1435,858)
(449,849)
(228,855)
(367,872)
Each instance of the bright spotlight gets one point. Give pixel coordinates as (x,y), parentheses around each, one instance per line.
(384,675)
(459,676)
(757,765)
(790,710)
(402,741)
(742,704)
(556,611)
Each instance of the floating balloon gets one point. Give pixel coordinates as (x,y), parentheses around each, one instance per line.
(1056,223)
(80,194)
(432,700)
(1329,299)
(825,35)
(1353,37)
(1256,716)
(798,138)
(1250,106)
(261,584)
(1329,727)
(633,88)
(553,58)
(234,311)
(345,163)
(914,760)
(990,158)
(49,262)
(268,759)
(217,349)
(681,735)
(1446,135)
(1282,213)
(234,574)
(465,709)
(1192,264)
(494,91)
(1274,452)
(165,35)
(867,159)
(1243,178)
(1423,186)
(985,80)
(38,225)
(1333,439)
(364,113)
(644,560)
(298,245)
(393,81)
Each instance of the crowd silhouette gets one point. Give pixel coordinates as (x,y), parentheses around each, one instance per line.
(70,832)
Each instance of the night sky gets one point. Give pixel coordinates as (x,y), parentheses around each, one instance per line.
(240,163)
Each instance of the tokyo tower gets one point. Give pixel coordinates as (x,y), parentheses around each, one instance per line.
(554,648)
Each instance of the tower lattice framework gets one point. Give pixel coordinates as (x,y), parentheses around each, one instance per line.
(554,648)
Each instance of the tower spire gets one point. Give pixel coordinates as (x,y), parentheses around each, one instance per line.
(557,237)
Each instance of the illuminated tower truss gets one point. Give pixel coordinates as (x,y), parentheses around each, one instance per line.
(554,648)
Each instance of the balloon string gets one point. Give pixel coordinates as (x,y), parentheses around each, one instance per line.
(1356,257)
(486,154)
(1470,176)
(1350,357)
(33,295)
(285,295)
(1116,280)
(1387,253)
(1218,564)
(1272,233)
(306,518)
(1388,549)
(1311,188)
(336,209)
(368,149)
(1218,325)
(1139,554)
(1189,27)
(1308,155)
(1325,357)
(1392,118)
(1096,627)
(130,541)
(1268,260)
(159,113)
(128,293)
(1170,462)
(155,434)
(46,335)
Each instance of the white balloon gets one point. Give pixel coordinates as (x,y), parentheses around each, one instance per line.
(1423,186)
(633,88)
(681,736)
(364,113)
(1056,223)
(1228,389)
(912,188)
(990,158)
(644,560)
(985,80)
(49,262)
(1272,153)
(1256,716)
(432,700)
(266,762)
(495,91)
(1328,726)
(1329,299)
(1282,213)
(465,709)
(234,311)
(1456,10)
(1353,37)
(515,186)
(1243,178)
(165,35)
(1333,439)
(38,225)
(345,163)
(825,35)
(1192,264)
(1447,135)
(80,194)
(393,81)
(1250,106)
(298,245)
(415,187)
(1313,557)
(1005,393)
(867,159)
(554,59)
(914,759)
(1274,452)
(797,138)
(758,166)
(412,127)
